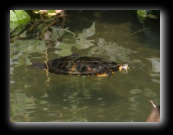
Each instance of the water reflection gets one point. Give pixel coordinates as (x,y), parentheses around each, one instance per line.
(155,69)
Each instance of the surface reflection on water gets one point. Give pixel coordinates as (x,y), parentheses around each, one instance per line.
(64,98)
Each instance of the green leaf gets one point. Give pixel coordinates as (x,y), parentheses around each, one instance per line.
(29,46)
(111,50)
(141,14)
(88,32)
(63,49)
(23,49)
(152,16)
(13,21)
(18,21)
(22,16)
(82,42)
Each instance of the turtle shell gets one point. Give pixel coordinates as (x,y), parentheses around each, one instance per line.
(76,65)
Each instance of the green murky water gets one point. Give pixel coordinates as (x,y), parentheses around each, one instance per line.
(123,97)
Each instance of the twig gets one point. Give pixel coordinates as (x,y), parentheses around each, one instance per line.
(152,103)
(134,33)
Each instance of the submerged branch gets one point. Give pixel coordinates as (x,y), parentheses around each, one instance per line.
(134,33)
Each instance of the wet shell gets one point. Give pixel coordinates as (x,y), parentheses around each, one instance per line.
(82,66)
(76,65)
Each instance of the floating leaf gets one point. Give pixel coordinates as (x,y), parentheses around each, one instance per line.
(156,69)
(28,46)
(23,49)
(155,64)
(81,41)
(63,52)
(112,50)
(83,44)
(156,80)
(59,32)
(135,91)
(63,49)
(149,93)
(101,42)
(88,32)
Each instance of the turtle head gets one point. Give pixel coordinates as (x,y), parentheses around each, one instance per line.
(124,67)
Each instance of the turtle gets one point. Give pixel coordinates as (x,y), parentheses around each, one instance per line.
(82,66)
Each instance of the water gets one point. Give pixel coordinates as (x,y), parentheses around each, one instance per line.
(123,97)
